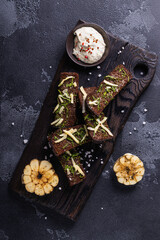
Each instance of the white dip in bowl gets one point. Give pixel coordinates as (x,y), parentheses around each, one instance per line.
(89,45)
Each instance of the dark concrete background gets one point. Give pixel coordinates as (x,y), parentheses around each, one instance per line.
(33,34)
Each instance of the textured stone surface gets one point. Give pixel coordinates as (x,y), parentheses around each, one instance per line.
(33,35)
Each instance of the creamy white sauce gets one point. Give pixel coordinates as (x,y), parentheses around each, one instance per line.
(89,45)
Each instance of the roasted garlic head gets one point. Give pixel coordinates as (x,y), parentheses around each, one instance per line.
(129,169)
(39,177)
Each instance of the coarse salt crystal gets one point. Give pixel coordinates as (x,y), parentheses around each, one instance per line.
(99,75)
(49,145)
(98,67)
(25,141)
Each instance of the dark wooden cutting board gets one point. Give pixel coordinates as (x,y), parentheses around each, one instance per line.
(66,200)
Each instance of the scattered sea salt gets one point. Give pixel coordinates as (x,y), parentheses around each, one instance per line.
(145,110)
(50,66)
(88,79)
(90,73)
(51,155)
(87,153)
(92,150)
(45,147)
(12,123)
(130,133)
(119,51)
(123,48)
(100,145)
(144,123)
(87,171)
(89,165)
(92,160)
(45,157)
(102,162)
(49,145)
(99,75)
(134,128)
(98,67)
(60,188)
(122,111)
(123,63)
(25,141)
(21,136)
(45,218)
(141,73)
(101,208)
(96,157)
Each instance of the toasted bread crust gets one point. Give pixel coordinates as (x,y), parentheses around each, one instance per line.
(66,162)
(67,144)
(90,120)
(69,112)
(119,76)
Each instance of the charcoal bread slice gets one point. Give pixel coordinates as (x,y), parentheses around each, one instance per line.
(65,110)
(98,128)
(69,80)
(108,89)
(65,139)
(72,167)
